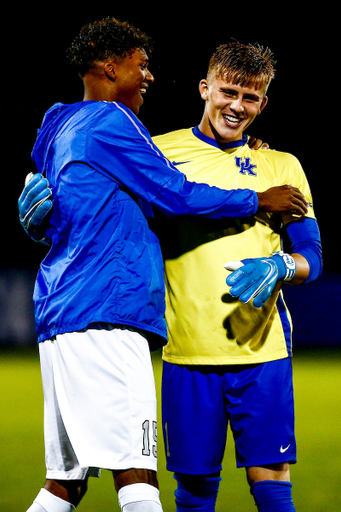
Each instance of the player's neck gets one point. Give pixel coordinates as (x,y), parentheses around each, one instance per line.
(97,89)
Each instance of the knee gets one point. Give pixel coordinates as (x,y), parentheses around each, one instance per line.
(135,476)
(277,472)
(137,490)
(71,491)
(196,491)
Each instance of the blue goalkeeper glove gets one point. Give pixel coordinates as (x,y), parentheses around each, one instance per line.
(256,278)
(34,204)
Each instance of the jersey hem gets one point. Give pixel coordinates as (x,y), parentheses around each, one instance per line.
(221,361)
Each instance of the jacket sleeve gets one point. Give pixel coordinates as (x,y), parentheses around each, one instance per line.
(120,147)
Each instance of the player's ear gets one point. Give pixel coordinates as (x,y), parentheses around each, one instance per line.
(263,104)
(203,89)
(109,70)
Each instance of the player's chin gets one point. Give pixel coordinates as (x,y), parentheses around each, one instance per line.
(231,132)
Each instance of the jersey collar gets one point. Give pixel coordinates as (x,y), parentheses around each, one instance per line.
(215,143)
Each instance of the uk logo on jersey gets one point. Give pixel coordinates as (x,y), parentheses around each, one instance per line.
(246,167)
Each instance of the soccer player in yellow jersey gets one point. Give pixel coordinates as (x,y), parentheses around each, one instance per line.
(228,357)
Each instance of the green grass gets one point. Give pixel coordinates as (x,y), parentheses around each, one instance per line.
(318,427)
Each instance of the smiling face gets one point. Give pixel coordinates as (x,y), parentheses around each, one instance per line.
(229,109)
(132,79)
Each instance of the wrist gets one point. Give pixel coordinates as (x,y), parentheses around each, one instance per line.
(286,265)
(261,202)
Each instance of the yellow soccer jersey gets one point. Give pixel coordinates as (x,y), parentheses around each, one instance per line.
(205,324)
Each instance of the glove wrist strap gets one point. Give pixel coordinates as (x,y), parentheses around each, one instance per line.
(289,264)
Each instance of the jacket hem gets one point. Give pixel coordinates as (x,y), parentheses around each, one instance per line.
(155,337)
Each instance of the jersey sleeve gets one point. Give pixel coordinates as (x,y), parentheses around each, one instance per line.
(297,178)
(120,147)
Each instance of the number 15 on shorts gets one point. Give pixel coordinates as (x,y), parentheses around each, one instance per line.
(149,445)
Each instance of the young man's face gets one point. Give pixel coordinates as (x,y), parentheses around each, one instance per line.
(132,79)
(229,108)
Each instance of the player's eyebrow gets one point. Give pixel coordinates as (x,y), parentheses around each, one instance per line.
(233,92)
(144,55)
(229,90)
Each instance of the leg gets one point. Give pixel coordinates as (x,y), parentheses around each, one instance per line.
(276,472)
(71,491)
(59,496)
(271,488)
(262,420)
(195,429)
(196,492)
(135,476)
(137,490)
(66,482)
(115,375)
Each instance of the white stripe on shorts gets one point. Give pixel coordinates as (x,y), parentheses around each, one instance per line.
(99,402)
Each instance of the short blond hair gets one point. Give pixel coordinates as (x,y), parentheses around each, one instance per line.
(242,64)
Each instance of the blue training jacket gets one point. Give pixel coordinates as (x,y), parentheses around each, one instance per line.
(106,175)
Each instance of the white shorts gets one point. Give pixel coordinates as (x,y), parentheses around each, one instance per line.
(99,403)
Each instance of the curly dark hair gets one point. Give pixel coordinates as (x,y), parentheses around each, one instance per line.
(105,38)
(243,64)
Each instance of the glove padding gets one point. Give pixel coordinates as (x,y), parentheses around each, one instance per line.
(34,204)
(257,277)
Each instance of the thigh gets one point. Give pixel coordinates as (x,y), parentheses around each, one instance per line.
(60,458)
(105,390)
(194,419)
(261,410)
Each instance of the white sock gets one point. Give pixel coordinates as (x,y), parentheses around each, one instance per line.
(139,498)
(48,502)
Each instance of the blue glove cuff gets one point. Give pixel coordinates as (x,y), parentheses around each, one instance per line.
(286,265)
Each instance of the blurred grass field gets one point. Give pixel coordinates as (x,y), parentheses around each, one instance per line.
(316,477)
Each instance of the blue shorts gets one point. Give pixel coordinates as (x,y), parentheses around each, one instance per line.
(198,402)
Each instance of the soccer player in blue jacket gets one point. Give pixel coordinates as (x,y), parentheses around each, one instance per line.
(99,293)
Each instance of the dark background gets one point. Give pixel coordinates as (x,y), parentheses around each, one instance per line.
(300,118)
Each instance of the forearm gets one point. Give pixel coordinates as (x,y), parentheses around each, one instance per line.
(302,269)
(182,197)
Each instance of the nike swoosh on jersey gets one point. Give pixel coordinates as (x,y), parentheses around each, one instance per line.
(180,163)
